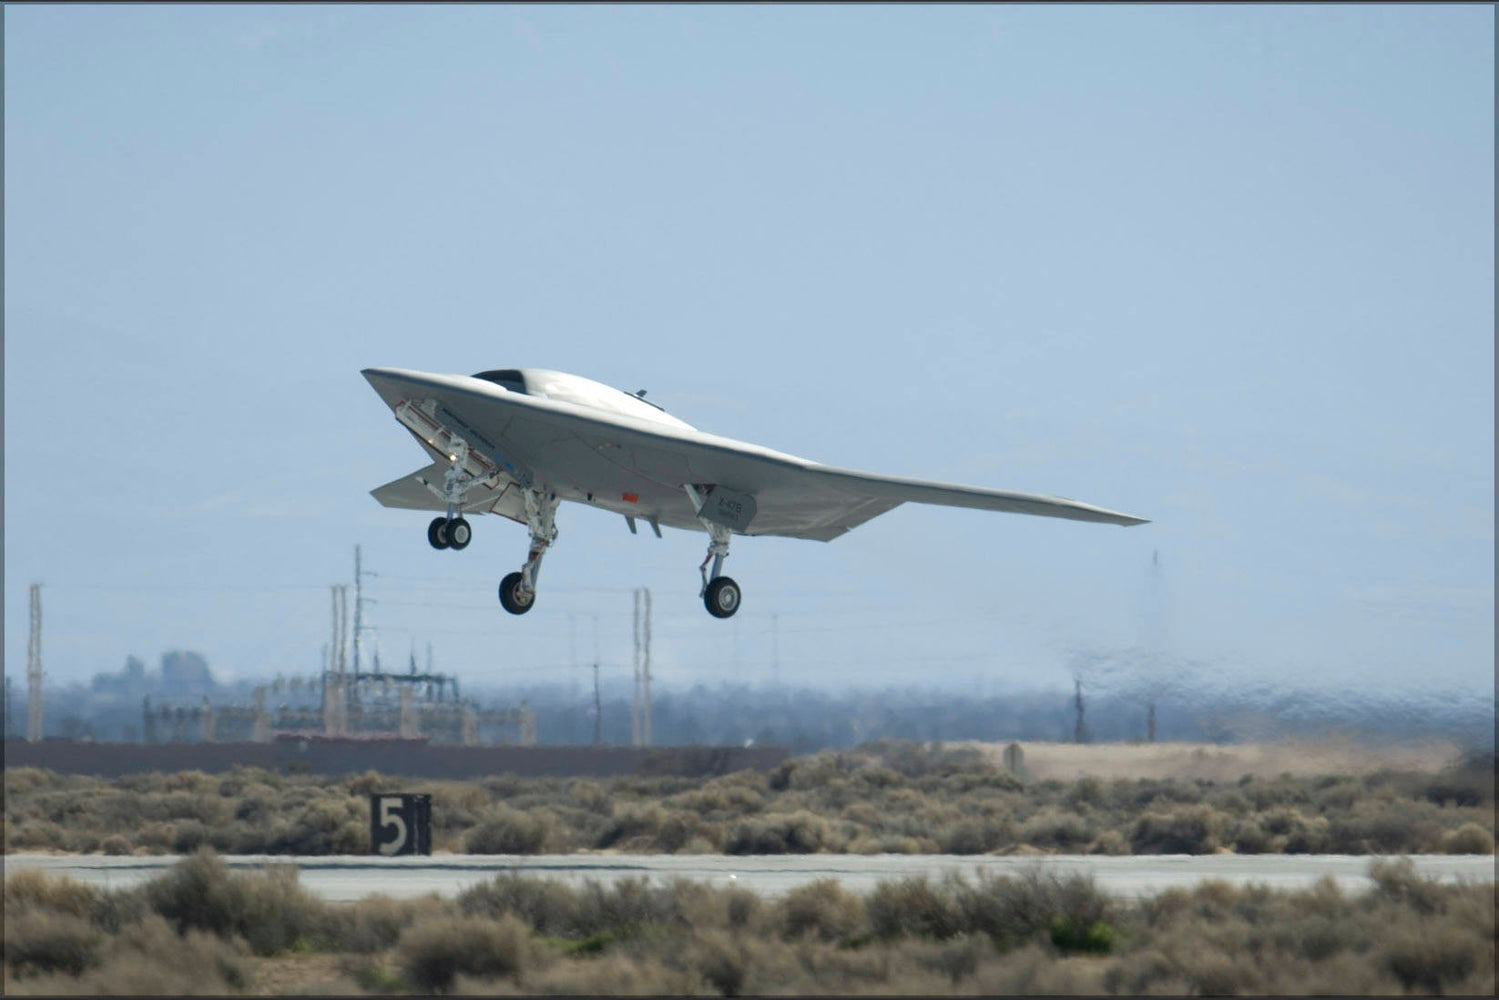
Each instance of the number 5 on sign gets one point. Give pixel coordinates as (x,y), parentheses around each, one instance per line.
(401,824)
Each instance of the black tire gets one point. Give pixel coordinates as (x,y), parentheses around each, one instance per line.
(512,598)
(459,534)
(437,533)
(722,598)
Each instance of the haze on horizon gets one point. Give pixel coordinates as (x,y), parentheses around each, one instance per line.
(1228,268)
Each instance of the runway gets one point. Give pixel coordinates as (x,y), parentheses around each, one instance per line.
(348,878)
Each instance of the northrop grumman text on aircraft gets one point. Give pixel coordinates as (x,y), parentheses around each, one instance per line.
(517,442)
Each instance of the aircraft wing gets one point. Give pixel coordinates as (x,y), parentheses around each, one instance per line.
(415,492)
(639,468)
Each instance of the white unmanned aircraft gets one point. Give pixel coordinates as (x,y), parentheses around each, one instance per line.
(517,442)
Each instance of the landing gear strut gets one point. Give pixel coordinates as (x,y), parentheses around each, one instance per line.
(452,531)
(518,590)
(720,593)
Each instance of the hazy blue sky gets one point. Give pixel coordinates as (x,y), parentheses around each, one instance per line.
(1229,268)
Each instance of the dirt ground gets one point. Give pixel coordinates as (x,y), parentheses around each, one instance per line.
(1066,761)
(306,975)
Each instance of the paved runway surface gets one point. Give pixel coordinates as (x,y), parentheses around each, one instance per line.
(350,878)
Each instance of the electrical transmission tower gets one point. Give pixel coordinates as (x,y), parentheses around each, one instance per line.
(640,720)
(34,668)
(335,694)
(1079,731)
(360,627)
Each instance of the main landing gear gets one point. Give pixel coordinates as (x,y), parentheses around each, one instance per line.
(518,590)
(449,533)
(452,531)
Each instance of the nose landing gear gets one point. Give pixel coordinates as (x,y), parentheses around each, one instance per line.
(722,597)
(518,590)
(720,593)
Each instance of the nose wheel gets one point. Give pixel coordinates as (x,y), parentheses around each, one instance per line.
(449,533)
(720,594)
(722,597)
(518,590)
(515,596)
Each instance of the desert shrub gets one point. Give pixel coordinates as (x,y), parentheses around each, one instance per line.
(1468,781)
(115,844)
(1014,909)
(611,974)
(1398,882)
(1163,791)
(1069,936)
(590,795)
(679,829)
(509,831)
(1430,961)
(33,834)
(1063,831)
(240,779)
(548,906)
(256,809)
(821,909)
(198,893)
(1266,794)
(29,889)
(800,832)
(742,908)
(1033,971)
(920,760)
(190,836)
(1110,842)
(723,798)
(22,780)
(434,952)
(41,941)
(1318,937)
(1249,837)
(375,925)
(270,910)
(1309,837)
(913,906)
(1397,827)
(1214,972)
(719,960)
(189,781)
(113,911)
(322,826)
(1470,838)
(150,959)
(633,826)
(956,958)
(975,836)
(1143,971)
(1229,800)
(1184,830)
(1088,791)
(1337,793)
(204,807)
(623,907)
(459,805)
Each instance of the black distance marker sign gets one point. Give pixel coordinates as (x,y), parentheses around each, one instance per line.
(400,824)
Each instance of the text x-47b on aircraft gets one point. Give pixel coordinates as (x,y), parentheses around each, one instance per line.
(518,441)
